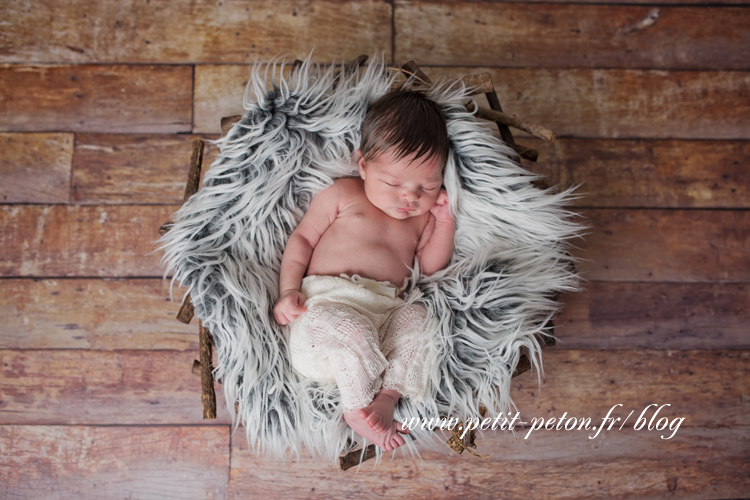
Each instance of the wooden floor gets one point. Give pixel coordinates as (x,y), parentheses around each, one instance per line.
(99,102)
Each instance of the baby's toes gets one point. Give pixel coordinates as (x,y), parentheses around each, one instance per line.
(375,422)
(398,440)
(364,413)
(394,442)
(384,443)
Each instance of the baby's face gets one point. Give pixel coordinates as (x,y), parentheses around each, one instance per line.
(402,188)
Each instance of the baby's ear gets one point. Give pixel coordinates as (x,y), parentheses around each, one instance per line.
(361,164)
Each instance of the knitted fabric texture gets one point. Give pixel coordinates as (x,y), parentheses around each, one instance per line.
(351,335)
(403,343)
(483,311)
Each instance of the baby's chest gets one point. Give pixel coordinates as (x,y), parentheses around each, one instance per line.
(378,228)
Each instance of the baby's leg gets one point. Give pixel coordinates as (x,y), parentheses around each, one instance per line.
(338,340)
(402,342)
(335,343)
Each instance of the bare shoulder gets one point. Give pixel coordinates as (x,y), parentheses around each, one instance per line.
(336,196)
(345,190)
(348,185)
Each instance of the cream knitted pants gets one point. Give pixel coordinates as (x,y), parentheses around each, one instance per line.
(358,334)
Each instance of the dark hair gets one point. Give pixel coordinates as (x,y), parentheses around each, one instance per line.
(407,122)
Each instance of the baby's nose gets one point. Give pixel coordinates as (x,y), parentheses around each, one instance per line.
(410,195)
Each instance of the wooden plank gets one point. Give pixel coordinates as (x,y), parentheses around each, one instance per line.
(666,245)
(589,383)
(219,92)
(695,463)
(643,173)
(94,98)
(617,103)
(591,36)
(93,314)
(611,173)
(138,387)
(114,462)
(623,245)
(58,240)
(572,102)
(80,387)
(619,2)
(35,168)
(200,31)
(116,169)
(655,316)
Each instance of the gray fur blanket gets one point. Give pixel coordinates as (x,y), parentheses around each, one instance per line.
(227,242)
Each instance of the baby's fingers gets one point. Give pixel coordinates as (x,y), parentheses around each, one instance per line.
(299,306)
(280,318)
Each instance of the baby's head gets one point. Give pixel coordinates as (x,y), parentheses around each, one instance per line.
(402,154)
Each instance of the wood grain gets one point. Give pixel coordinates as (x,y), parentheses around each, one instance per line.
(589,103)
(616,2)
(137,387)
(602,36)
(655,316)
(666,245)
(113,462)
(646,173)
(219,92)
(137,314)
(614,103)
(200,31)
(650,103)
(695,463)
(59,241)
(93,98)
(93,314)
(143,169)
(82,387)
(589,383)
(623,245)
(35,168)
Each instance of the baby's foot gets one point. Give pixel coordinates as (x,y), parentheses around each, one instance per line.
(375,422)
(379,413)
(388,440)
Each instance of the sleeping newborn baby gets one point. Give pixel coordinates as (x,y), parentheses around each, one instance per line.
(347,263)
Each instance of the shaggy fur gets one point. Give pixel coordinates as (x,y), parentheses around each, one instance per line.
(228,239)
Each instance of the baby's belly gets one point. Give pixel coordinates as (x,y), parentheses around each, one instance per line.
(376,260)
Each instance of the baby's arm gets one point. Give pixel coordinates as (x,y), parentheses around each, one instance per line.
(436,244)
(299,248)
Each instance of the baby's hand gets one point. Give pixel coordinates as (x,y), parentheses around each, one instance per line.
(290,305)
(441,209)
